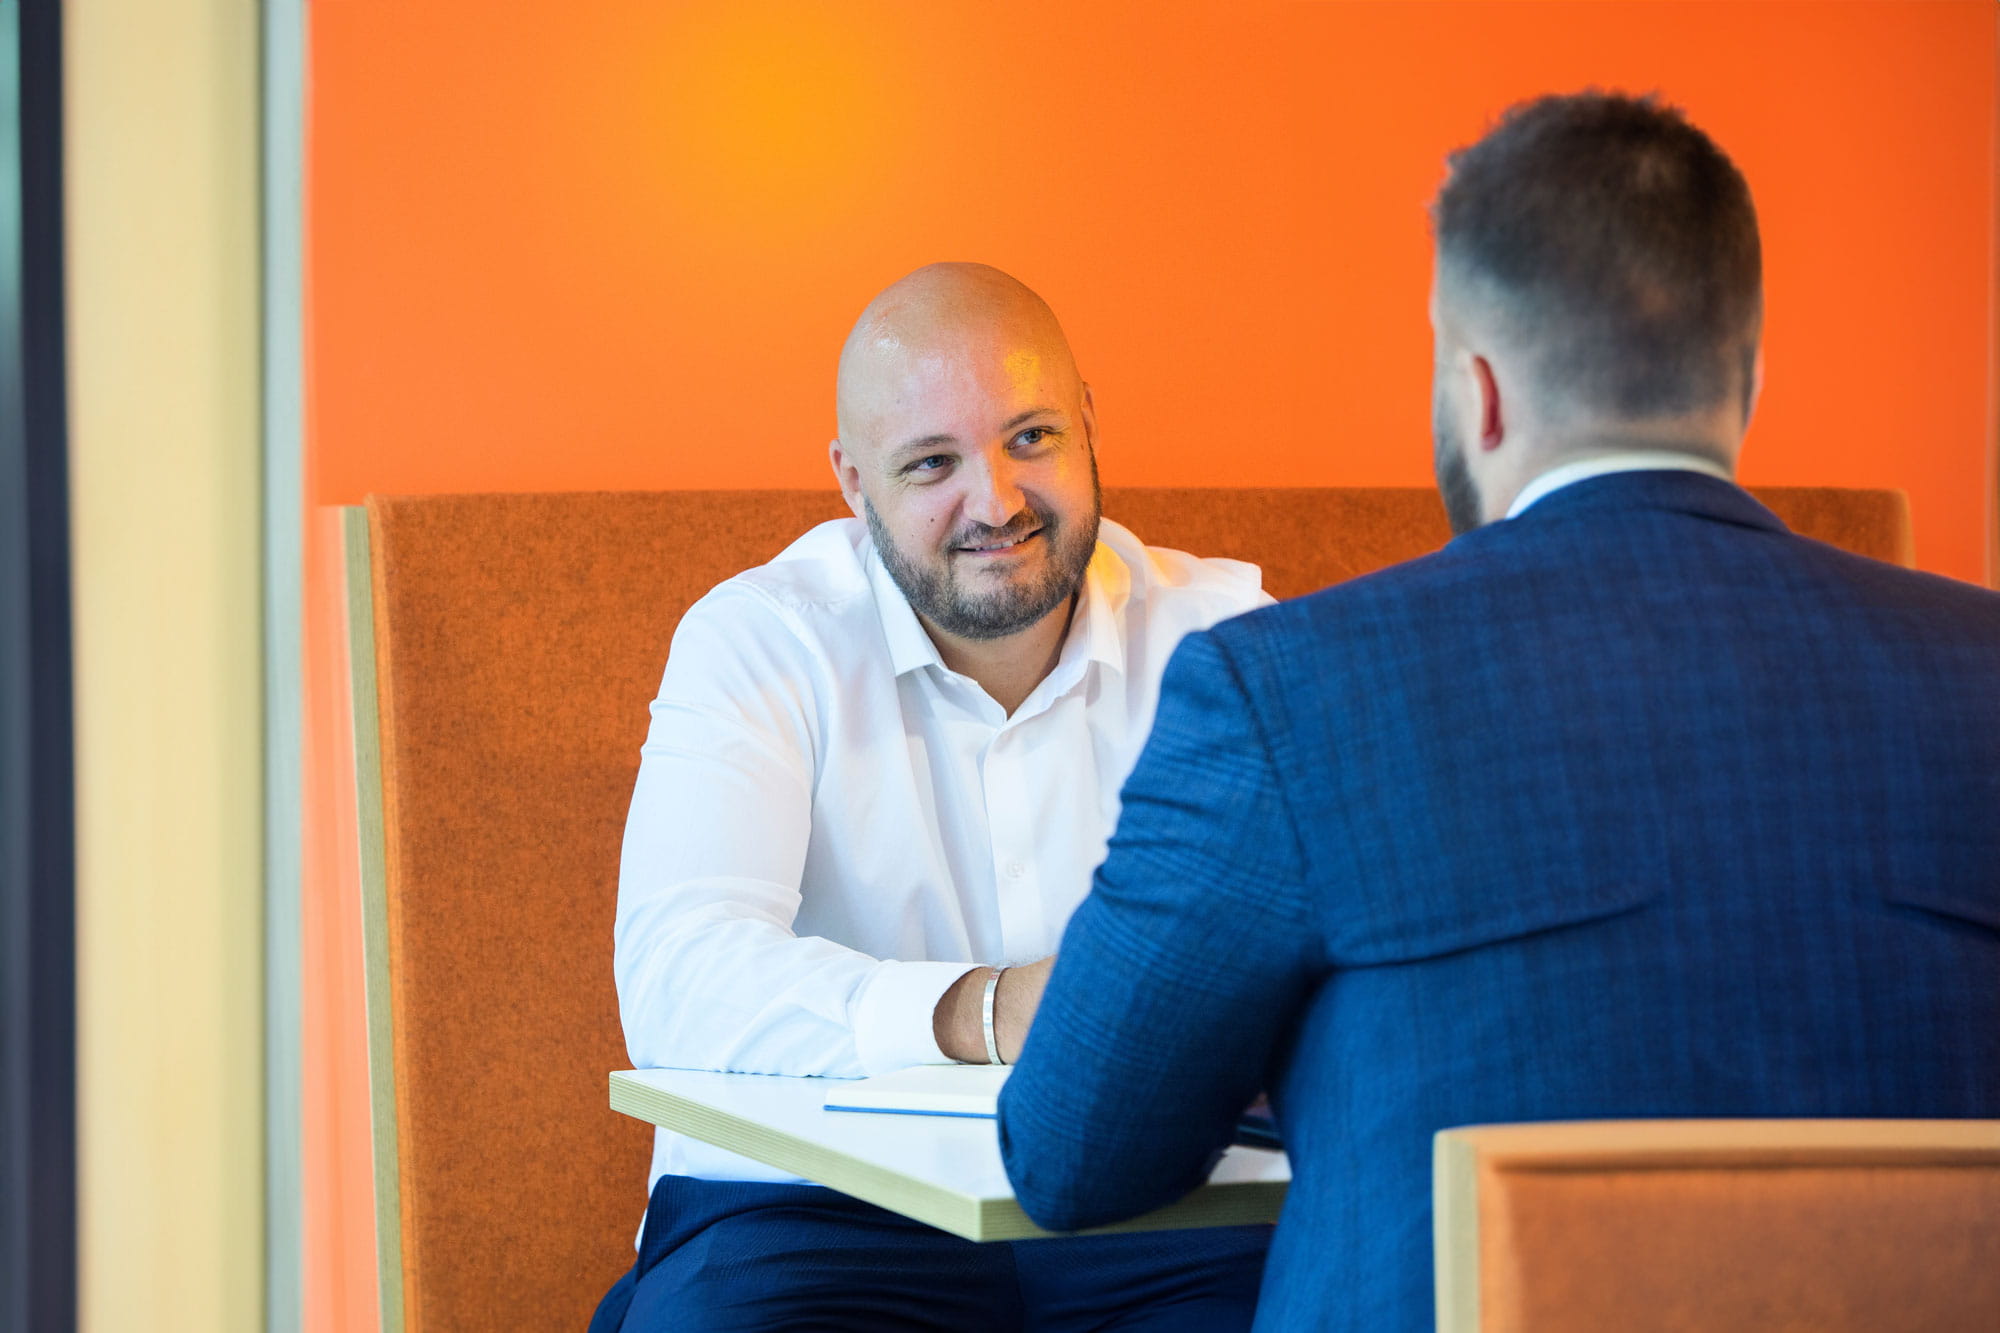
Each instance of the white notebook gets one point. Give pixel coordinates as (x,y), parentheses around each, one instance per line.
(968,1090)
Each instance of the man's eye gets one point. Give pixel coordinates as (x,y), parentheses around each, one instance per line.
(1033,435)
(934,463)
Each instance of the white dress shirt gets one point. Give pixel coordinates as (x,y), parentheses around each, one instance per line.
(830,826)
(1632,460)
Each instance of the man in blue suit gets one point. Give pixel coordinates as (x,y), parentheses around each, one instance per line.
(1627,802)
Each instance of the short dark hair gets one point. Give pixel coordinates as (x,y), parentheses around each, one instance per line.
(1618,244)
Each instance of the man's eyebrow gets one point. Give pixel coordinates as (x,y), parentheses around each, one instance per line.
(1021,417)
(922,442)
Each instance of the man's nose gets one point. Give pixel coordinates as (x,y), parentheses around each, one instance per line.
(995,496)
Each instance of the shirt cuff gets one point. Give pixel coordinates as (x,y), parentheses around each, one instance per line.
(892,1015)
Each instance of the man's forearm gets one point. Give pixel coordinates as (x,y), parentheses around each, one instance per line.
(958,1021)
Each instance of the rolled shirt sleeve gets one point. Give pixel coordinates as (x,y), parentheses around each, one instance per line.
(892,1015)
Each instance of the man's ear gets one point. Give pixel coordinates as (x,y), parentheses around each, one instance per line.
(1089,419)
(845,475)
(1486,388)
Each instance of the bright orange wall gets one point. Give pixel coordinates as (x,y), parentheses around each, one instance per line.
(617,243)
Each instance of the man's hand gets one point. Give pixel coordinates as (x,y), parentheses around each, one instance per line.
(956,1020)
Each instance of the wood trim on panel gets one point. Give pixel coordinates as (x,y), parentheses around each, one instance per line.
(1455,1231)
(374,915)
(1663,1144)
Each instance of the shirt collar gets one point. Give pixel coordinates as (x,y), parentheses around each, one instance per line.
(910,645)
(1095,633)
(1637,460)
(1107,587)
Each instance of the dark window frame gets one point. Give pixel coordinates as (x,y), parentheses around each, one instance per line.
(38,1206)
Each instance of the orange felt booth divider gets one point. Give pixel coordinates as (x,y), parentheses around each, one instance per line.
(1839,1226)
(511,643)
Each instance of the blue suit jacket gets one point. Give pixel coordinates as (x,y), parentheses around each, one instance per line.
(1636,805)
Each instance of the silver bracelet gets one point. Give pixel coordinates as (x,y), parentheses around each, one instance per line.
(986,1017)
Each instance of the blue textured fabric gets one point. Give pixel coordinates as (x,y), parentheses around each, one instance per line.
(1636,805)
(720,1255)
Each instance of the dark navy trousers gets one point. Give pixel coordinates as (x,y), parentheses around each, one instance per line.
(727,1255)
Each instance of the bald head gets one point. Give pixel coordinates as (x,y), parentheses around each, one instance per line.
(965,323)
(968,445)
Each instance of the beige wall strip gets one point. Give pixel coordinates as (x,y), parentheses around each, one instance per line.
(161,153)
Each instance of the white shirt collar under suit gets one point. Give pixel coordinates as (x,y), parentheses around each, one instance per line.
(1637,460)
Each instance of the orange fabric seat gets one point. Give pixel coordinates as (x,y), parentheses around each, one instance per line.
(512,643)
(1721,1226)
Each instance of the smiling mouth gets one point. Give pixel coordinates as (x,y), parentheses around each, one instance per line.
(1005,544)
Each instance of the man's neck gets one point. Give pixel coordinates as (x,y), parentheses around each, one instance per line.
(1008,668)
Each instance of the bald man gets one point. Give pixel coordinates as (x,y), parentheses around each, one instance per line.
(880,772)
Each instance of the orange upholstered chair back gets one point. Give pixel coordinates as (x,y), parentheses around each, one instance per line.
(512,643)
(1726,1226)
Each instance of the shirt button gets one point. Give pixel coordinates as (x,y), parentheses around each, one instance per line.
(1015,870)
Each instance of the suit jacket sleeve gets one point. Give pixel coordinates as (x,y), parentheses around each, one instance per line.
(1179,974)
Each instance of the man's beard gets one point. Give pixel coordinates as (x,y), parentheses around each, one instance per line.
(1454,478)
(934,592)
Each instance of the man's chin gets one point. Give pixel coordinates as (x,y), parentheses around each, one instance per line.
(997,607)
(1001,622)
